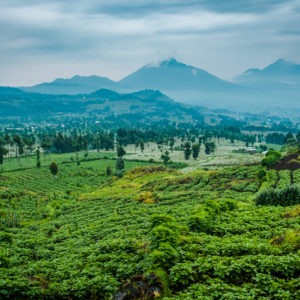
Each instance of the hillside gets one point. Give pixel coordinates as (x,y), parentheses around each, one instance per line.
(75,85)
(102,103)
(200,234)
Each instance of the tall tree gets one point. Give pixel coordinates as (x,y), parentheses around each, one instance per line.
(195,150)
(142,145)
(187,150)
(53,169)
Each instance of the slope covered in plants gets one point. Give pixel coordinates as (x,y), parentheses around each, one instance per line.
(200,233)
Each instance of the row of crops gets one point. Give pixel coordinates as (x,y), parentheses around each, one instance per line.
(280,179)
(82,235)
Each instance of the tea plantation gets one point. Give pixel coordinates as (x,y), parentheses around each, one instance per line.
(83,234)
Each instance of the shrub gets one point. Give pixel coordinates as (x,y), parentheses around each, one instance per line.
(165,256)
(271,159)
(108,171)
(162,234)
(5,237)
(200,222)
(261,174)
(290,195)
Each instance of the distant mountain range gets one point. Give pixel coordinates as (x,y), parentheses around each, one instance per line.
(275,87)
(75,85)
(282,73)
(101,103)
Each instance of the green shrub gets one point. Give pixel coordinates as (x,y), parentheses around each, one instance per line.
(261,174)
(230,204)
(5,237)
(162,234)
(164,256)
(157,220)
(200,222)
(290,195)
(271,158)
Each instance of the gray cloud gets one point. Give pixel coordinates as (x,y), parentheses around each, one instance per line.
(41,40)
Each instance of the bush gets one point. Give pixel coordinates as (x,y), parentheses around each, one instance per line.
(5,237)
(271,159)
(108,171)
(261,174)
(200,222)
(164,237)
(119,173)
(165,256)
(290,195)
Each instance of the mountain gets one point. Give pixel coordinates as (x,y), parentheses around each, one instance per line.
(6,90)
(275,87)
(75,85)
(102,103)
(281,73)
(186,84)
(173,75)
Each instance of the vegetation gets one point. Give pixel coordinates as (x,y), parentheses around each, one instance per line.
(123,226)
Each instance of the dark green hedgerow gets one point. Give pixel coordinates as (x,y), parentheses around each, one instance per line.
(287,196)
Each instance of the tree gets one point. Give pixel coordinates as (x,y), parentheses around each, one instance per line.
(289,137)
(120,151)
(38,154)
(38,163)
(298,137)
(108,171)
(142,145)
(165,157)
(210,147)
(3,152)
(187,150)
(171,143)
(17,140)
(120,164)
(195,150)
(53,169)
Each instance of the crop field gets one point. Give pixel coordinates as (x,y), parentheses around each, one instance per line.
(222,157)
(29,161)
(83,234)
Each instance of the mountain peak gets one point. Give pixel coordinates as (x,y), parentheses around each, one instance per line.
(169,62)
(280,63)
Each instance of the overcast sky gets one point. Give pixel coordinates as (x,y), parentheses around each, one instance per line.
(41,40)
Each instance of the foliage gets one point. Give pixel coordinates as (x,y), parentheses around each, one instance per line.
(287,196)
(165,157)
(120,164)
(53,168)
(271,158)
(83,235)
(187,150)
(210,147)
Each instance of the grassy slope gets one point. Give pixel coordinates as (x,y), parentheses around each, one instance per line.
(83,234)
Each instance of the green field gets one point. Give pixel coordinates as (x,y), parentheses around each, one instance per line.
(83,234)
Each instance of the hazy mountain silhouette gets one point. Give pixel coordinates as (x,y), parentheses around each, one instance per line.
(75,85)
(276,86)
(282,73)
(138,105)
(171,75)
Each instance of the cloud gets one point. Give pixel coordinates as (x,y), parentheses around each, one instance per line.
(41,40)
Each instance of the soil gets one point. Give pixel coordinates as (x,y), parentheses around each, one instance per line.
(289,162)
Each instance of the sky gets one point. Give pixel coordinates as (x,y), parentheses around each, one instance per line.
(41,40)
